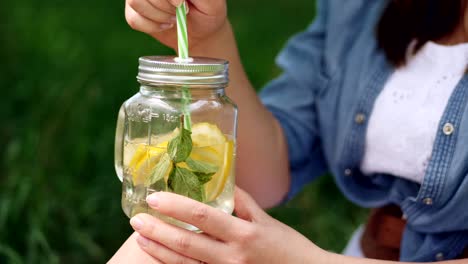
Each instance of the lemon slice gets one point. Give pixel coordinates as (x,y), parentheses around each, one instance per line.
(145,157)
(209,145)
(215,187)
(206,134)
(144,160)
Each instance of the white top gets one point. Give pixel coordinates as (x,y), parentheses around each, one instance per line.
(403,125)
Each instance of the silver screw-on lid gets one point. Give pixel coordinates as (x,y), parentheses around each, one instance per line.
(195,71)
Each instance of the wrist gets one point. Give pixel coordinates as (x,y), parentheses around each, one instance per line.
(326,257)
(322,256)
(219,45)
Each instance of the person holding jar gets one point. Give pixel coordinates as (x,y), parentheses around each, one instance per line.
(375,92)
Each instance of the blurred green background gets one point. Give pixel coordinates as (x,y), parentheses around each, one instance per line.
(66,67)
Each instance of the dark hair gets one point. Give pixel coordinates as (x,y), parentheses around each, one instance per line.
(421,21)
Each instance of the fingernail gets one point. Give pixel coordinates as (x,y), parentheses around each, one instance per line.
(136,223)
(187,9)
(166,26)
(173,19)
(143,241)
(153,200)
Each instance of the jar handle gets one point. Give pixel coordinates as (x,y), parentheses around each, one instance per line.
(119,142)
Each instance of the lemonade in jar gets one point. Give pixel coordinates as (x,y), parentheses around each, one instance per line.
(177,134)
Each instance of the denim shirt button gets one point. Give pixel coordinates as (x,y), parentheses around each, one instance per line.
(448,129)
(439,256)
(360,118)
(348,172)
(428,201)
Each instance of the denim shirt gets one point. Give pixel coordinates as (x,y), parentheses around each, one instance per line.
(332,74)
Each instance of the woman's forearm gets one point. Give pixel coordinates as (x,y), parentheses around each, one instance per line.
(130,252)
(332,258)
(262,162)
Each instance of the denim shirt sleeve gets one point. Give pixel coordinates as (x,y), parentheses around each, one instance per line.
(291,99)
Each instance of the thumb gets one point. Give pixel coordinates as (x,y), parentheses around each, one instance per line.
(245,206)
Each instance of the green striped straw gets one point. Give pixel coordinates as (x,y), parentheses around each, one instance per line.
(182,36)
(182,39)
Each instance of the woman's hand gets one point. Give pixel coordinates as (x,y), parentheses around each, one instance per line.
(158,19)
(251,237)
(210,35)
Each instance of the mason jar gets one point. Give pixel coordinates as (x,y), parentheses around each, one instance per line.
(177,134)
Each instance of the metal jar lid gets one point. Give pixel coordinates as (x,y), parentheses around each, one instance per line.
(195,71)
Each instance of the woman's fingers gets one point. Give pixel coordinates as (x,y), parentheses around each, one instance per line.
(147,10)
(163,253)
(164,5)
(182,241)
(245,206)
(210,220)
(143,24)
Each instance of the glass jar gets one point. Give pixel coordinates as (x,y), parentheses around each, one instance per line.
(178,135)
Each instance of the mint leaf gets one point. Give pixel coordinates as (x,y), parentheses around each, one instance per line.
(201,166)
(184,182)
(180,147)
(160,170)
(159,186)
(204,177)
(171,178)
(202,169)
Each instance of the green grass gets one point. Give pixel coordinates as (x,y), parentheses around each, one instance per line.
(66,66)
